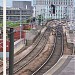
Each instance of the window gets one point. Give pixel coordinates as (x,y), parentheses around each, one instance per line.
(47,2)
(56,10)
(49,6)
(66,3)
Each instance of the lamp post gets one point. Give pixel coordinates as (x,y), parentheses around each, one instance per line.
(20,22)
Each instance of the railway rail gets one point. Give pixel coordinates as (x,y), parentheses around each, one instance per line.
(55,55)
(35,42)
(33,54)
(39,45)
(1,65)
(1,62)
(53,58)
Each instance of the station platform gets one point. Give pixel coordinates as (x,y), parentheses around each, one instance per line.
(64,66)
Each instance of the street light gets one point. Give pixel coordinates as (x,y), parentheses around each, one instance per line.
(20,22)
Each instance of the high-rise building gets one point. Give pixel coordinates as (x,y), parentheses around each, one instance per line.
(63,8)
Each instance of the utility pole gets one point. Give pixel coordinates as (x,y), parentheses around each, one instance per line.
(11,51)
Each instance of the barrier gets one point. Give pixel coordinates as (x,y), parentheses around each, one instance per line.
(19,44)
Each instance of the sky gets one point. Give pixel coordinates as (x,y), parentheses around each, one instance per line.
(9,2)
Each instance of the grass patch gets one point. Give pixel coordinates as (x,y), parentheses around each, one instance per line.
(15,24)
(1,24)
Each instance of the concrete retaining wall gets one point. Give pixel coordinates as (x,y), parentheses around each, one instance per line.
(30,41)
(18,45)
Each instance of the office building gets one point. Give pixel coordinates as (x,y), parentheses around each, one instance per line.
(19,8)
(1,13)
(63,8)
(22,4)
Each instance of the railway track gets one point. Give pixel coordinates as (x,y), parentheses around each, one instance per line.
(1,62)
(35,42)
(1,65)
(55,55)
(33,54)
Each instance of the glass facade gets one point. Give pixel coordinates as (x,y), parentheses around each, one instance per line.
(59,7)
